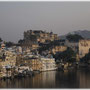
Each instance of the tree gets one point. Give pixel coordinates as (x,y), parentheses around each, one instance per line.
(48,46)
(1,40)
(74,37)
(20,41)
(86,58)
(67,56)
(9,44)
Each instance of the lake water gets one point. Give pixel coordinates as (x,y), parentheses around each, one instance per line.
(51,79)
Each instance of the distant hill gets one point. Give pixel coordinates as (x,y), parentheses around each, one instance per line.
(84,33)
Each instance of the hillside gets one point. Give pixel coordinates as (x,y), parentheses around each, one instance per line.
(84,33)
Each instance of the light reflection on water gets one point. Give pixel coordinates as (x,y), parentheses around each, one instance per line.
(51,79)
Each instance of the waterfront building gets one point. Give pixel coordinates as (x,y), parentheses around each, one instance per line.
(48,64)
(7,64)
(10,59)
(33,62)
(40,63)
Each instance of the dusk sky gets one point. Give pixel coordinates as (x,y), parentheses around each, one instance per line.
(60,17)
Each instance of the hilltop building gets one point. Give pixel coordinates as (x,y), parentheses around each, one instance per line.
(32,39)
(40,36)
(84,47)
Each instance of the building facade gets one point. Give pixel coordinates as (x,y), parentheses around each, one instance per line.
(40,63)
(33,63)
(7,64)
(58,49)
(40,36)
(84,47)
(48,64)
(29,45)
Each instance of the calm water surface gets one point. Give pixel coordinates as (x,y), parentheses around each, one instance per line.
(51,79)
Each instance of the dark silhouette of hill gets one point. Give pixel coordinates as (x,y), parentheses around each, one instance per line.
(84,33)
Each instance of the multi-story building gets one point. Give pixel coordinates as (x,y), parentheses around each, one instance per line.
(40,63)
(32,38)
(84,47)
(29,45)
(7,64)
(48,64)
(10,59)
(33,62)
(40,36)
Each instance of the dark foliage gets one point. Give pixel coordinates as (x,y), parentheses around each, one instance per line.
(48,46)
(86,58)
(74,38)
(1,40)
(20,41)
(67,56)
(9,44)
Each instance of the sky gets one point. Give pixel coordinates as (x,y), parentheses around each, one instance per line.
(59,17)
